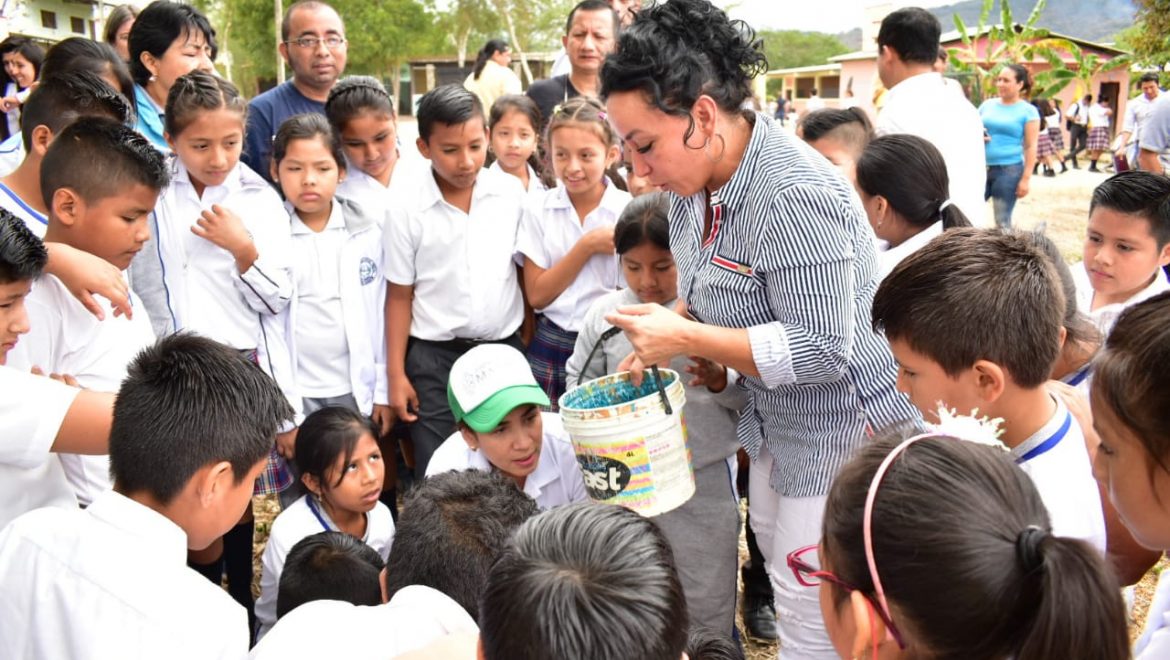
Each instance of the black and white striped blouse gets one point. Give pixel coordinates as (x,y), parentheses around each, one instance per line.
(791,258)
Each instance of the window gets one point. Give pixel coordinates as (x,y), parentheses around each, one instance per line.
(77,25)
(49,19)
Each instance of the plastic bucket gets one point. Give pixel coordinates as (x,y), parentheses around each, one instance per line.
(630,451)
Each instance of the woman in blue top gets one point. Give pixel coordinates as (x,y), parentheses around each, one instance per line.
(1011,126)
(167,41)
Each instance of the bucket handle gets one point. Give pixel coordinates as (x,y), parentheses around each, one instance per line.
(653,368)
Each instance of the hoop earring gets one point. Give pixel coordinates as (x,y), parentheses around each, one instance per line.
(722,150)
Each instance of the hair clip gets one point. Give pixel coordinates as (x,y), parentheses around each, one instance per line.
(601,114)
(557,108)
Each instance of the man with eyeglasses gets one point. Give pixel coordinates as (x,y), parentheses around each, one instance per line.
(312,42)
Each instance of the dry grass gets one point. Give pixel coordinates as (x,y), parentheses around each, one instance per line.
(1062,205)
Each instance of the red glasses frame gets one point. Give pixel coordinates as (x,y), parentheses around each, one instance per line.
(809,576)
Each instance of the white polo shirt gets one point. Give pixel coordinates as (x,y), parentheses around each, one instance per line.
(32,409)
(322,351)
(36,221)
(1056,459)
(890,257)
(556,480)
(67,339)
(535,185)
(110,582)
(295,523)
(414,617)
(924,105)
(1105,316)
(368,191)
(460,264)
(550,228)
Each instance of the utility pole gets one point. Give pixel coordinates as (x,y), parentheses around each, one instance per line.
(279,5)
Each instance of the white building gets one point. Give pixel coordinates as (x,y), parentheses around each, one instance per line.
(51,21)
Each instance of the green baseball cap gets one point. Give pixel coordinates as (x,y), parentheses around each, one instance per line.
(488,382)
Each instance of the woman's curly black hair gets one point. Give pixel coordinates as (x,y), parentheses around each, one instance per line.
(678,50)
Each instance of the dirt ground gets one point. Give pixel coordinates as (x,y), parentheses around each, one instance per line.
(1061,205)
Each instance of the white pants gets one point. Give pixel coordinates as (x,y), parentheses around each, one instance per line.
(783,524)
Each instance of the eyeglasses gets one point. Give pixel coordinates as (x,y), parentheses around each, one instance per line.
(809,575)
(311,43)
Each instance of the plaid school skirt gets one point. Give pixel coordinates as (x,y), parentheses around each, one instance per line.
(1057,138)
(551,348)
(1098,139)
(1044,147)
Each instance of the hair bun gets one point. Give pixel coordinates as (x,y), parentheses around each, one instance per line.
(1028,548)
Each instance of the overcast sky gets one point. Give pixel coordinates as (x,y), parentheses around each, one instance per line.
(820,15)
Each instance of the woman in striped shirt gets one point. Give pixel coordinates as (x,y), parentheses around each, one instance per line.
(777,272)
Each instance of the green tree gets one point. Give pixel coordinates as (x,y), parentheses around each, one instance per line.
(792,48)
(1149,37)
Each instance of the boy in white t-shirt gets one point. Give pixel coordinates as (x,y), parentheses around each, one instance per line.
(40,417)
(1127,246)
(193,424)
(975,322)
(101,209)
(57,102)
(449,263)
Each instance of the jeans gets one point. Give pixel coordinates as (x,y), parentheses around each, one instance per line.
(1002,181)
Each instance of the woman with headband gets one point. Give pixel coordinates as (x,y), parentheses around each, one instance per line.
(934,547)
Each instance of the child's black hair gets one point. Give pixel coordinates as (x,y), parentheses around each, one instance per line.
(1139,193)
(584,580)
(644,220)
(850,125)
(963,546)
(450,104)
(588,113)
(912,175)
(22,254)
(158,26)
(678,50)
(81,54)
(524,105)
(100,158)
(1080,331)
(451,529)
(197,92)
(307,126)
(1131,378)
(976,294)
(188,402)
(706,644)
(329,566)
(354,96)
(63,97)
(325,435)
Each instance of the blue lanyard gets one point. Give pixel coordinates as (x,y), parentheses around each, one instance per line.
(317,512)
(1048,444)
(1079,377)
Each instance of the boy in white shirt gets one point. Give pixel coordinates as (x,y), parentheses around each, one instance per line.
(495,400)
(449,264)
(102,209)
(1127,246)
(40,416)
(57,102)
(975,322)
(193,423)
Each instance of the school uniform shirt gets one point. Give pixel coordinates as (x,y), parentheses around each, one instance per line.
(32,409)
(305,518)
(1056,459)
(460,264)
(1105,316)
(36,221)
(11,154)
(67,339)
(336,318)
(1098,116)
(556,480)
(890,257)
(367,191)
(924,105)
(150,119)
(1154,644)
(550,228)
(414,617)
(13,115)
(110,582)
(188,283)
(535,185)
(790,258)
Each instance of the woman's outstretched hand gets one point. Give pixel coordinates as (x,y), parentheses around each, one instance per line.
(657,334)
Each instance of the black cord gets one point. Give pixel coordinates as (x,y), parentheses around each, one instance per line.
(596,345)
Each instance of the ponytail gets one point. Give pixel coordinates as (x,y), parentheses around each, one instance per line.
(912,175)
(490,48)
(952,216)
(1078,613)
